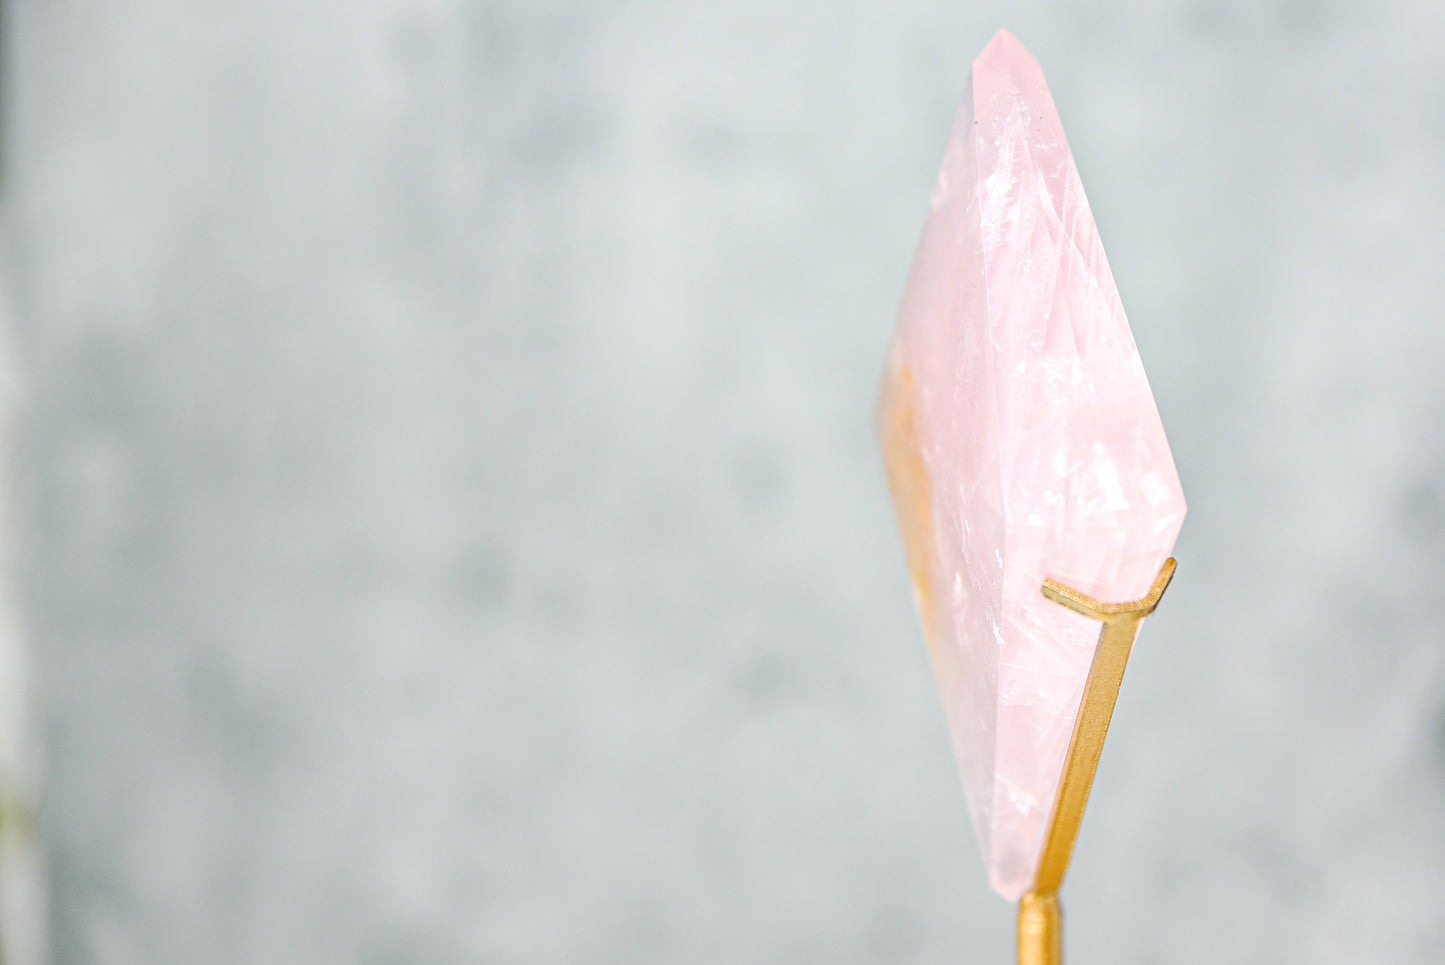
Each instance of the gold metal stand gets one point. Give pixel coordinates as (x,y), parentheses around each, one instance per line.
(1041,929)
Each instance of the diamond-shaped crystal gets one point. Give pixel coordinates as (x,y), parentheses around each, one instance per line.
(1022,442)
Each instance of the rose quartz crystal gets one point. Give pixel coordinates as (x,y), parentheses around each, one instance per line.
(1022,442)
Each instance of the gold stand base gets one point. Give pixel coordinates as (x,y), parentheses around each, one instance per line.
(1041,922)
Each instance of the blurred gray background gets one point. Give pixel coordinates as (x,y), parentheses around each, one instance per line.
(452,529)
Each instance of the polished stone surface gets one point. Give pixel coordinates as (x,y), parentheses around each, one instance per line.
(1022,443)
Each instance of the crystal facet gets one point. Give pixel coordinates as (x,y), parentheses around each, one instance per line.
(1022,442)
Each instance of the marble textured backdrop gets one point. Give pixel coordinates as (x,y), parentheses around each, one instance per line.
(453,530)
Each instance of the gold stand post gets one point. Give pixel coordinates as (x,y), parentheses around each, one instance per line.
(1041,931)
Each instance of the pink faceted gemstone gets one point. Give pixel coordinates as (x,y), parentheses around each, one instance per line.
(1022,442)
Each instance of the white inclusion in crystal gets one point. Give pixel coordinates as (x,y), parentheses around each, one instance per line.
(1106,475)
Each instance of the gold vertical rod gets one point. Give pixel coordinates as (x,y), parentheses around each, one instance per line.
(1040,921)
(1041,930)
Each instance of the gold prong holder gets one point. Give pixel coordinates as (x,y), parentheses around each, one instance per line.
(1041,933)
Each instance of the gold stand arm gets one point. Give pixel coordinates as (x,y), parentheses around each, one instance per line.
(1040,926)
